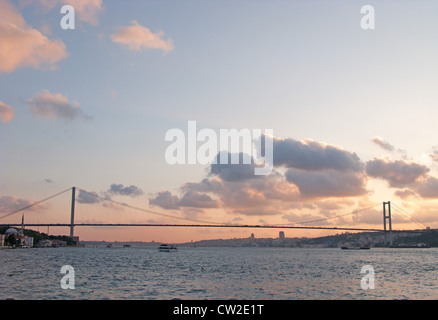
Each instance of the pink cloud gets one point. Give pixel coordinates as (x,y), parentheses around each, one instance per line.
(385,145)
(9,204)
(6,112)
(137,37)
(398,173)
(23,46)
(55,106)
(428,188)
(85,10)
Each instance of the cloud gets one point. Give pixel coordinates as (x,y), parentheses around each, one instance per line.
(257,211)
(206,185)
(399,173)
(406,194)
(314,170)
(233,172)
(310,181)
(10,203)
(428,188)
(137,37)
(434,155)
(191,199)
(112,205)
(313,155)
(275,188)
(383,144)
(333,204)
(119,189)
(88,197)
(412,176)
(372,216)
(198,200)
(85,10)
(267,195)
(319,169)
(23,46)
(6,112)
(165,200)
(91,197)
(55,106)
(328,183)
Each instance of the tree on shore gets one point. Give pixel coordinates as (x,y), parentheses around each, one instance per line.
(12,241)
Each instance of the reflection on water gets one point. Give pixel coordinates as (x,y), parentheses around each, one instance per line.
(218,273)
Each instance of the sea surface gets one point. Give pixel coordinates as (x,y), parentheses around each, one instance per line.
(218,273)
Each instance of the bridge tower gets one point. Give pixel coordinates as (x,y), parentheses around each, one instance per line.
(72,221)
(387,216)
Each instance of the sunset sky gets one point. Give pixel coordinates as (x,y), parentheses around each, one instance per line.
(354,113)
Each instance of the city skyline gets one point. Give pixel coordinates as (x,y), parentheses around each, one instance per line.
(352,113)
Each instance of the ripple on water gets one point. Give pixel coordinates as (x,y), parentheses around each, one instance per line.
(218,273)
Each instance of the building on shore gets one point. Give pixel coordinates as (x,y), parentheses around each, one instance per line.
(2,241)
(15,238)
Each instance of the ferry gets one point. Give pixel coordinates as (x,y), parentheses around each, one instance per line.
(166,247)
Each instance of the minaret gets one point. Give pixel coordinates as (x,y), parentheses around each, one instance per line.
(22,225)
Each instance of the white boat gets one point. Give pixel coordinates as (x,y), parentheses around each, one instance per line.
(166,247)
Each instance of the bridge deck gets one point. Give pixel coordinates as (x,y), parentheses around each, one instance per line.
(199,226)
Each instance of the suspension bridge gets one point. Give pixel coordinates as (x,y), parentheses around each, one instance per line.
(387,219)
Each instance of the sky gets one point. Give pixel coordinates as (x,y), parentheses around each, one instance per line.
(352,110)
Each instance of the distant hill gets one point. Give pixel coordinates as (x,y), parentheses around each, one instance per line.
(372,239)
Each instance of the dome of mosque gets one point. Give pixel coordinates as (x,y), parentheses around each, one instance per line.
(11,231)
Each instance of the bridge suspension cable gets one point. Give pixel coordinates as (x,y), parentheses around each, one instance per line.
(334,217)
(407,216)
(397,208)
(151,211)
(34,203)
(103,198)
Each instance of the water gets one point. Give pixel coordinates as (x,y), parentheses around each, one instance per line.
(218,273)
